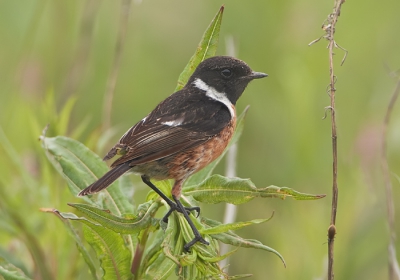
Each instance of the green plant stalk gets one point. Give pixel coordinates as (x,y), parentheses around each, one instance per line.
(136,268)
(137,258)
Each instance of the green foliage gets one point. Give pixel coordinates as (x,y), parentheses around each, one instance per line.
(80,166)
(119,233)
(286,142)
(65,219)
(107,230)
(10,272)
(206,49)
(217,188)
(114,229)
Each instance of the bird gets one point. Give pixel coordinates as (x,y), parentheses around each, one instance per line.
(183,134)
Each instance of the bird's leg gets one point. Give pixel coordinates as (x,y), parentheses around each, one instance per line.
(173,206)
(177,206)
(197,236)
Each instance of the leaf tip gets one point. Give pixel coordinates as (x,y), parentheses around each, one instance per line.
(46,210)
(44,131)
(246,109)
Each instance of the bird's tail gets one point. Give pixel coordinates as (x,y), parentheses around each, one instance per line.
(106,180)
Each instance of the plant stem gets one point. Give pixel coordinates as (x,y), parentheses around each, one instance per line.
(330,29)
(112,77)
(394,270)
(230,170)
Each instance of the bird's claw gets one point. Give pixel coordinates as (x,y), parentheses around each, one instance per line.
(174,207)
(197,238)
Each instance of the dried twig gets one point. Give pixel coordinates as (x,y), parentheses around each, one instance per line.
(335,192)
(329,28)
(394,270)
(112,77)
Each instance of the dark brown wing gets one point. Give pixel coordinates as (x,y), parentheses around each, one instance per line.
(182,121)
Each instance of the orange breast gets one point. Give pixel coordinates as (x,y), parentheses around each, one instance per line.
(186,163)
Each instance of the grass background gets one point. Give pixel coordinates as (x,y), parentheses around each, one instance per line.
(57,55)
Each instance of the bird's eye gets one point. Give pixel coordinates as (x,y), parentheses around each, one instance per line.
(226,73)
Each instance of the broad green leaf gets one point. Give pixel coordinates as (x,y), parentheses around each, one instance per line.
(81,167)
(235,240)
(11,272)
(72,232)
(206,48)
(160,269)
(10,257)
(110,249)
(217,188)
(200,176)
(109,246)
(233,226)
(143,220)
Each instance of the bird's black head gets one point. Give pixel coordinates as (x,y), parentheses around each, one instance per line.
(224,74)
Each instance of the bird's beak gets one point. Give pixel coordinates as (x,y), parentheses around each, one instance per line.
(258,75)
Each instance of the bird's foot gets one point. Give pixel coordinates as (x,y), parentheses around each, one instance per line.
(173,207)
(197,238)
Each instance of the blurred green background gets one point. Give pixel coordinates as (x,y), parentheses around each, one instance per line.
(58,55)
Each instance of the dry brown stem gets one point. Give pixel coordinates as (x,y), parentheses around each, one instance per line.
(329,28)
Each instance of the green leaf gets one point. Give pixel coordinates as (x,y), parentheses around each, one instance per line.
(72,232)
(153,250)
(233,226)
(11,272)
(109,246)
(133,225)
(81,167)
(240,276)
(200,176)
(217,188)
(165,261)
(160,269)
(202,261)
(206,48)
(164,186)
(219,258)
(110,249)
(173,240)
(235,240)
(70,216)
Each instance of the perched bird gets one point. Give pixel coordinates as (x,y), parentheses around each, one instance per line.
(184,133)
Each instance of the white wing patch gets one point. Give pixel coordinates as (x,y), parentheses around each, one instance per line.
(177,122)
(174,123)
(214,94)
